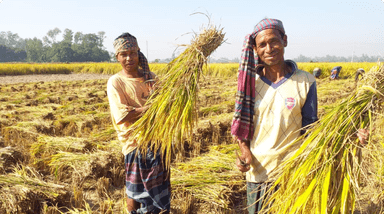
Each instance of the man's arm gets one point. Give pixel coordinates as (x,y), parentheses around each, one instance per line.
(309,110)
(133,115)
(246,156)
(122,113)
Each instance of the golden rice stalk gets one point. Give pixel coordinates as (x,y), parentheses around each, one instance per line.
(210,178)
(74,165)
(172,113)
(25,191)
(323,175)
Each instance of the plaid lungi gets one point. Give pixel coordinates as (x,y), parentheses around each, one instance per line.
(147,182)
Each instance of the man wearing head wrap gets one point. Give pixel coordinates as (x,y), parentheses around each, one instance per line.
(360,72)
(147,181)
(316,72)
(275,100)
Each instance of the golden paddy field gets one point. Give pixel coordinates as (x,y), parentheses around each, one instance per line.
(59,152)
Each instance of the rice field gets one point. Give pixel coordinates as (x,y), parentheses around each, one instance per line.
(60,154)
(215,69)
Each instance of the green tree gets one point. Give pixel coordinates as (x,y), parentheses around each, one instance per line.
(62,52)
(74,47)
(8,54)
(35,50)
(53,33)
(88,47)
(11,40)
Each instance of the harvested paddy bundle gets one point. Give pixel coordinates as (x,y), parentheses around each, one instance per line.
(323,175)
(172,112)
(25,191)
(211,180)
(74,166)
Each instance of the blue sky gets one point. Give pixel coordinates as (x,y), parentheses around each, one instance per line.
(314,28)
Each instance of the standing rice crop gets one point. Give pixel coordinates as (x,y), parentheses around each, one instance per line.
(323,175)
(172,112)
(349,68)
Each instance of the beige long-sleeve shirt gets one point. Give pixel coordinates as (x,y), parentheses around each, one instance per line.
(125,92)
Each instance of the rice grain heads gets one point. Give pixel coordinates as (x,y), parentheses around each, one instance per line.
(323,175)
(169,121)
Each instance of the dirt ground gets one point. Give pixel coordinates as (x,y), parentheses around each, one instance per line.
(50,77)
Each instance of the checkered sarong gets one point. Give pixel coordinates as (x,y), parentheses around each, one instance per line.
(147,181)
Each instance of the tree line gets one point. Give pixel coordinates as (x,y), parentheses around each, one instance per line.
(74,47)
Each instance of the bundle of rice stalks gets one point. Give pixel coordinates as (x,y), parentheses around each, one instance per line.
(172,113)
(9,158)
(323,175)
(81,166)
(24,191)
(211,178)
(46,147)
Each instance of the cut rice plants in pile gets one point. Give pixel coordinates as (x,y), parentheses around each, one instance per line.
(172,113)
(211,178)
(23,191)
(323,175)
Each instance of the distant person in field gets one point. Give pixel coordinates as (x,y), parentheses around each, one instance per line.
(359,74)
(147,181)
(316,72)
(335,72)
(275,100)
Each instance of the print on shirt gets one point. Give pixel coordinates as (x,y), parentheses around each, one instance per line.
(290,102)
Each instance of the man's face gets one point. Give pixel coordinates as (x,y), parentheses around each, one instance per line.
(270,46)
(129,60)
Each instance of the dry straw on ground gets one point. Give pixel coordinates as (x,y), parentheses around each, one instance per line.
(24,190)
(172,113)
(323,175)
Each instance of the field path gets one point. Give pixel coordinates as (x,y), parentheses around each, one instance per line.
(50,77)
